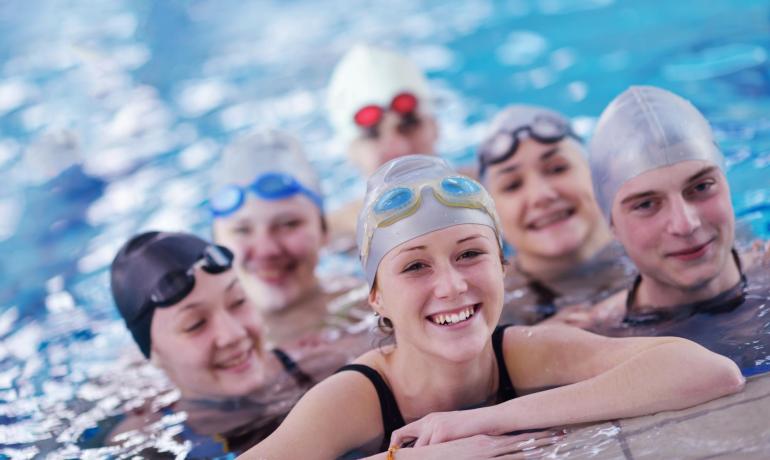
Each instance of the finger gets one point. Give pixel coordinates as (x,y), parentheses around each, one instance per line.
(403,435)
(422,440)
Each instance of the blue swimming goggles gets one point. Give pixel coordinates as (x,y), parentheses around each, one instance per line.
(399,202)
(544,128)
(268,186)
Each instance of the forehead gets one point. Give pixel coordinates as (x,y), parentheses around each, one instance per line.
(667,178)
(256,209)
(530,153)
(449,236)
(209,291)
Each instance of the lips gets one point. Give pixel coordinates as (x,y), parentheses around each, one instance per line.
(692,252)
(235,362)
(273,272)
(550,218)
(454,316)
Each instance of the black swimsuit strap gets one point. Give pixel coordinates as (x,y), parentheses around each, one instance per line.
(505,390)
(292,368)
(391,415)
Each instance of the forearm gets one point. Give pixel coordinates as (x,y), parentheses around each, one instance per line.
(669,376)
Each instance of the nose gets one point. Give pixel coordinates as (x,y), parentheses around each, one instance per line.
(265,244)
(393,143)
(228,330)
(450,282)
(539,191)
(683,217)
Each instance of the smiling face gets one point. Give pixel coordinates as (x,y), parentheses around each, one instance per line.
(276,245)
(442,291)
(209,344)
(545,200)
(676,223)
(394,138)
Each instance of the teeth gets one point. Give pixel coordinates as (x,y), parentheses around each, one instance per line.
(453,318)
(548,220)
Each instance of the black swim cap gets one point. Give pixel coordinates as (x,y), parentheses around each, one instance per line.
(139,267)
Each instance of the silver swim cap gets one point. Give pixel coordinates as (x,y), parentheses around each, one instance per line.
(642,129)
(367,75)
(265,151)
(517,122)
(413,195)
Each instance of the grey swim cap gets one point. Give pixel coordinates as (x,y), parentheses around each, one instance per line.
(515,123)
(261,152)
(370,75)
(413,195)
(642,129)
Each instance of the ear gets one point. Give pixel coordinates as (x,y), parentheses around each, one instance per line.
(375,301)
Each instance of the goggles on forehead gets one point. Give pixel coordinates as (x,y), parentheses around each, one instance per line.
(174,286)
(269,186)
(544,128)
(369,116)
(402,201)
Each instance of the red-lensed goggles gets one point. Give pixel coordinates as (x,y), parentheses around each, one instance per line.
(404,104)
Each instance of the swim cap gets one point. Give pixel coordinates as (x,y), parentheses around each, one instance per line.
(264,152)
(413,195)
(642,129)
(139,267)
(368,75)
(517,122)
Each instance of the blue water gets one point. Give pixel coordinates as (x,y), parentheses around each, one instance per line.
(112,112)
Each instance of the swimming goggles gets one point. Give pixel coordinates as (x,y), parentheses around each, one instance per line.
(270,186)
(544,128)
(370,116)
(402,201)
(174,286)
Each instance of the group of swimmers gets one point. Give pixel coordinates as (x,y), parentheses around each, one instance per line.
(436,349)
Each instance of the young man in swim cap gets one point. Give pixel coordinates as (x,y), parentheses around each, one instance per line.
(536,170)
(189,316)
(660,181)
(268,208)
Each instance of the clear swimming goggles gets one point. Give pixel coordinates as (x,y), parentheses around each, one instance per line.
(544,128)
(269,186)
(402,201)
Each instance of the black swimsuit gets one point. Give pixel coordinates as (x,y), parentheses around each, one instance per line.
(391,415)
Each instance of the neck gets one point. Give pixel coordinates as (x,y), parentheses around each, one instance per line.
(426,383)
(552,268)
(306,301)
(659,295)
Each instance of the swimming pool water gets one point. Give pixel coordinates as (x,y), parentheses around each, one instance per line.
(112,113)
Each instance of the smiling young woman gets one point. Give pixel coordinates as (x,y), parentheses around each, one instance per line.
(429,242)
(537,172)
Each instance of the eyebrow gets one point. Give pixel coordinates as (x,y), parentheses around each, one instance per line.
(413,248)
(706,170)
(543,157)
(468,238)
(232,284)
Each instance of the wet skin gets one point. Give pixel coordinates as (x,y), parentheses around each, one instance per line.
(545,200)
(394,138)
(276,245)
(210,343)
(677,225)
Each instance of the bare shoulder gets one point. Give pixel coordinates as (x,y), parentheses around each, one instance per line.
(313,427)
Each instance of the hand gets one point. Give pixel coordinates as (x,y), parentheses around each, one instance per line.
(485,447)
(608,312)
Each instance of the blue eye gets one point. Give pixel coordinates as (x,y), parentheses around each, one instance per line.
(393,199)
(459,186)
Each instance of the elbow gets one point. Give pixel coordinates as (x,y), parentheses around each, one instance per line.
(726,379)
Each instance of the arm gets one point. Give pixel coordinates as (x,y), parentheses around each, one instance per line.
(603,378)
(337,415)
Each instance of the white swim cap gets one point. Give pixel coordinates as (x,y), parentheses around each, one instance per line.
(413,195)
(261,152)
(642,129)
(367,75)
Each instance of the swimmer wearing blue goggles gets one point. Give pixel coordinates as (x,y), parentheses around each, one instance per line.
(269,186)
(411,185)
(545,127)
